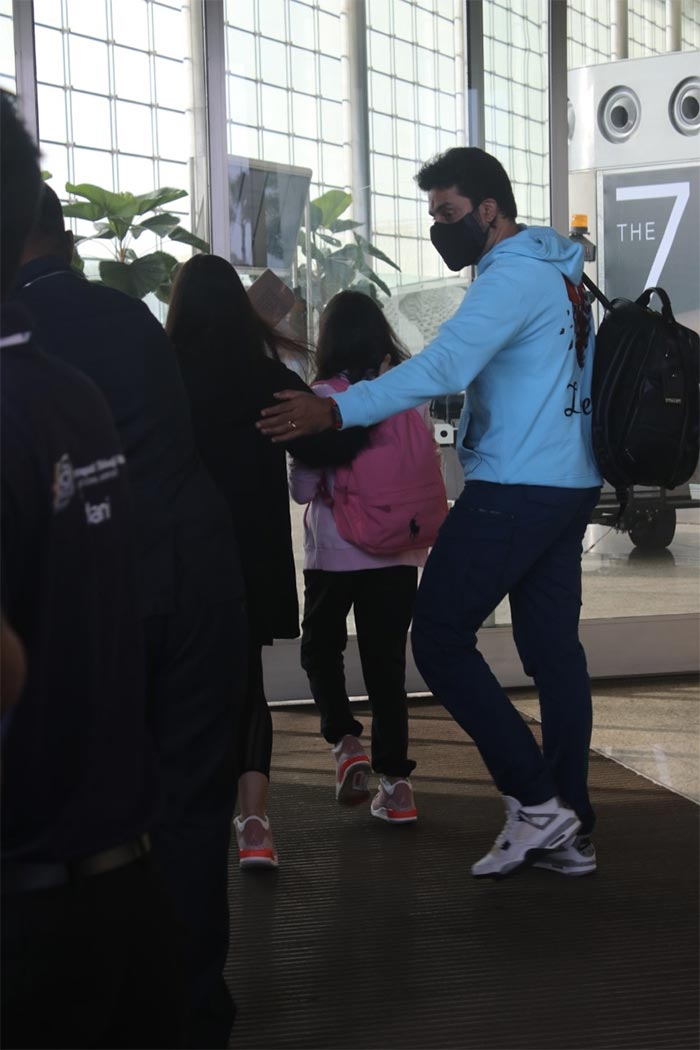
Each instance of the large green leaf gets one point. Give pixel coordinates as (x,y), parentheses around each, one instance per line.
(375,252)
(157,198)
(106,200)
(140,277)
(331,204)
(185,237)
(81,210)
(340,225)
(372,276)
(161,224)
(329,240)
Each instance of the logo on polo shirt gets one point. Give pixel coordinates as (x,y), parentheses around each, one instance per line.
(63,488)
(97,513)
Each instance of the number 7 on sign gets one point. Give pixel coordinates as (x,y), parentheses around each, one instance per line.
(679,190)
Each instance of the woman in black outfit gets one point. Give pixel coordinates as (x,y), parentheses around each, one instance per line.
(230,362)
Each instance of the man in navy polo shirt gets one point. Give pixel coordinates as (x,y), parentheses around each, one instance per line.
(90,954)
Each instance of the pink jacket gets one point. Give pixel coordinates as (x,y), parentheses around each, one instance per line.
(324,548)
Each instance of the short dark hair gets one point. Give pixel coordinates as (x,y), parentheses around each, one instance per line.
(49,220)
(354,337)
(476,174)
(20,186)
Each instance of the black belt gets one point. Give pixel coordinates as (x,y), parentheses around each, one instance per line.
(22,876)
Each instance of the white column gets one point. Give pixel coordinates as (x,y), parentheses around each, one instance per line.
(353,20)
(619,32)
(673,25)
(25,64)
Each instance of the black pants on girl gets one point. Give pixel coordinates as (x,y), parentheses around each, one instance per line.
(383,604)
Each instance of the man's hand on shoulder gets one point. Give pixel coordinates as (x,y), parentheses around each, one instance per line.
(297,415)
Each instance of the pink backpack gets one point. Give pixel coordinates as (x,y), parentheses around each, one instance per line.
(391,498)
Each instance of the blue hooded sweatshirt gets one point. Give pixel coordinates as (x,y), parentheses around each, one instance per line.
(511,346)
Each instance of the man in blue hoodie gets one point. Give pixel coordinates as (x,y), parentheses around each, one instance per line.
(521,346)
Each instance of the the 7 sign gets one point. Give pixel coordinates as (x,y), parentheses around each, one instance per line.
(652,234)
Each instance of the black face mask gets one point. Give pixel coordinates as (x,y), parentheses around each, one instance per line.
(459,243)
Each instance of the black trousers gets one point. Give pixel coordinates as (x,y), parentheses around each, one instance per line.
(383,603)
(197,666)
(94,963)
(255,737)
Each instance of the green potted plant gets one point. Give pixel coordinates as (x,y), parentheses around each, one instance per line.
(118,219)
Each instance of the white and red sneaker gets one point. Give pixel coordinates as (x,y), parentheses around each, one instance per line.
(352,769)
(394,802)
(255,846)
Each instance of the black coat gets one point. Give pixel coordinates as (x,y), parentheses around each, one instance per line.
(227,392)
(182,523)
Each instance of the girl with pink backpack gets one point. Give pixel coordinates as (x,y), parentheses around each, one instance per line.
(367,530)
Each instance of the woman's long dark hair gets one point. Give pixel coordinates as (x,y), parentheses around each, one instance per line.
(354,338)
(210,307)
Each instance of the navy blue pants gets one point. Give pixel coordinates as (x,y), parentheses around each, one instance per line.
(523,541)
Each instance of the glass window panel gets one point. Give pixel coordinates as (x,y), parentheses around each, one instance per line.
(447,110)
(87,16)
(446,73)
(276,148)
(425,67)
(168,31)
(427,106)
(427,141)
(173,133)
(301,24)
(243,99)
(329,71)
(274,109)
(8,83)
(7,48)
(52,112)
(380,52)
(405,99)
(89,64)
(329,34)
(91,120)
(92,165)
(383,210)
(332,121)
(305,155)
(132,74)
(379,15)
(134,132)
(333,165)
(404,60)
(171,83)
(271,15)
(174,173)
(384,181)
(240,53)
(381,95)
(445,36)
(242,12)
(46,12)
(406,138)
(130,23)
(49,56)
(243,141)
(425,28)
(54,158)
(273,57)
(304,115)
(303,70)
(403,20)
(408,254)
(382,129)
(137,174)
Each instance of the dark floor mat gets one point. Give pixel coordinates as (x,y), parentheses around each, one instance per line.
(373,936)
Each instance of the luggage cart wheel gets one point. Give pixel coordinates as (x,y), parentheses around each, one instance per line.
(652,528)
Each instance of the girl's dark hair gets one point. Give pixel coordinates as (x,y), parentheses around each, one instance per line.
(354,338)
(210,307)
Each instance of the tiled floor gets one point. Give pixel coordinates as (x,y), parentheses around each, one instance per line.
(651,726)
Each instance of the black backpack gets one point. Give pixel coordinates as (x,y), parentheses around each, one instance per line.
(644,395)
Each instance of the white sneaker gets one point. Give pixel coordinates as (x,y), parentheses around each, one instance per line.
(547,826)
(578,858)
(352,769)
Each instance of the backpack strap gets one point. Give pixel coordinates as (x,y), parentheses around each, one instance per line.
(582,318)
(595,291)
(666,310)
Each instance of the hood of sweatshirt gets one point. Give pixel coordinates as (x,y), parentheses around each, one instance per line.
(543,243)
